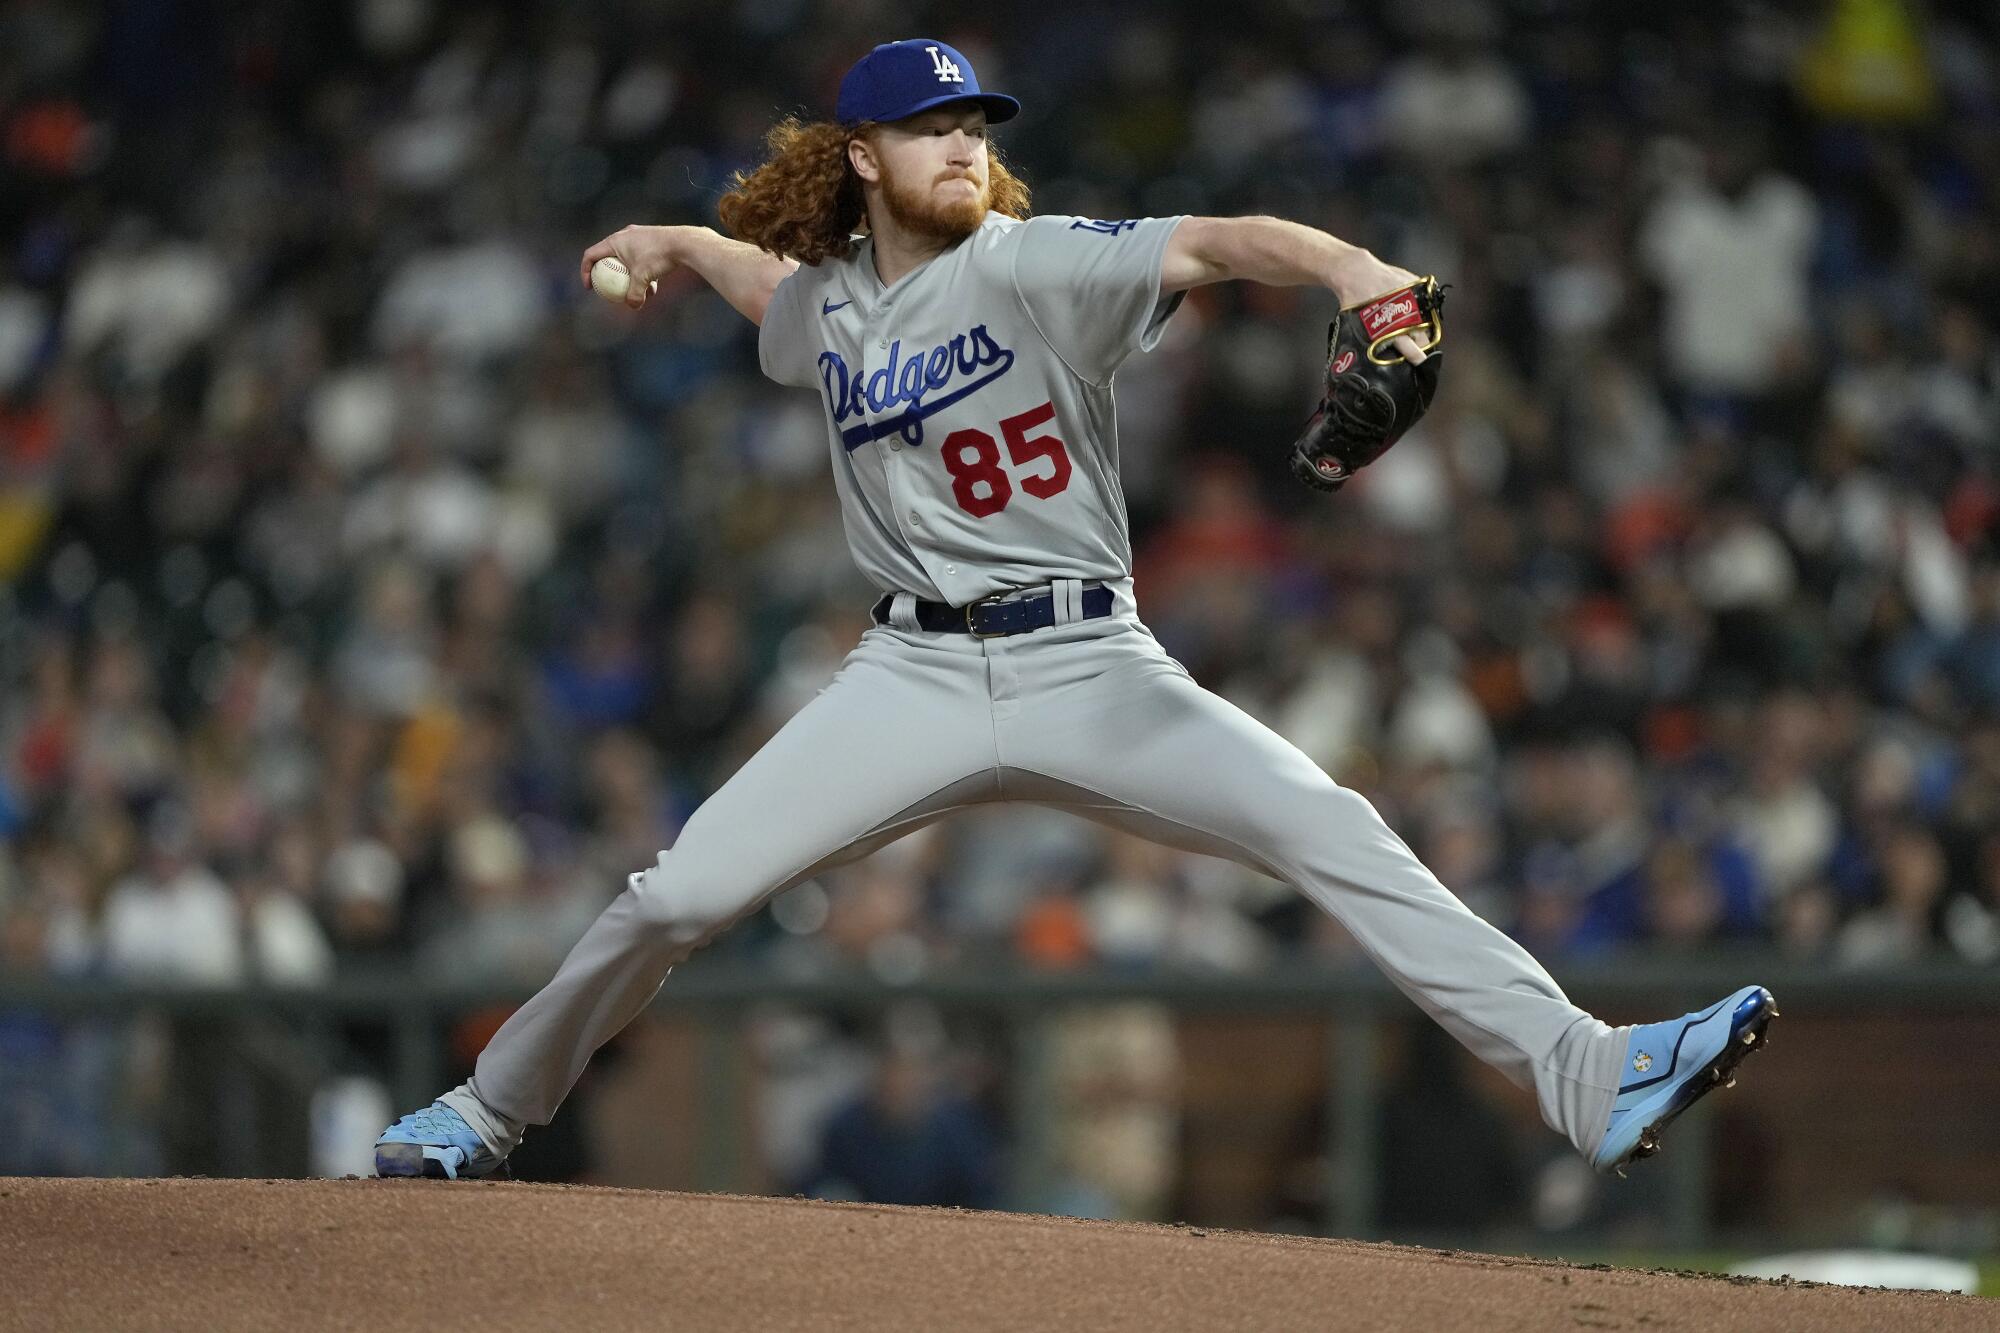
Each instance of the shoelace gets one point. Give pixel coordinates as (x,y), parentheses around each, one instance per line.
(431,1122)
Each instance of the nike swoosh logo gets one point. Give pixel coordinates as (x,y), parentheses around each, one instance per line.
(827,307)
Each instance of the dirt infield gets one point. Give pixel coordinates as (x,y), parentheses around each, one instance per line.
(223,1254)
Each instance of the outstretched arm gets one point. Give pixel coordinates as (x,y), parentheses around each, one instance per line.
(1280,254)
(744,275)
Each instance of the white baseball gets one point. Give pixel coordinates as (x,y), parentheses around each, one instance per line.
(609,278)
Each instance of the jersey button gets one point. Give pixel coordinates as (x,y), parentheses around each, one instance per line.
(951,569)
(895,446)
(915,519)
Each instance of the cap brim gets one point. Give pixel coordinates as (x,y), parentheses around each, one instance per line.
(998,106)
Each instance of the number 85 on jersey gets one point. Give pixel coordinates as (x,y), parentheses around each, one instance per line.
(979,482)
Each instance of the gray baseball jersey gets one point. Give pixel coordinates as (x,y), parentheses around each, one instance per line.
(976,451)
(975,447)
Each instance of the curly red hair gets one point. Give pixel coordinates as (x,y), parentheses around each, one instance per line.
(805,201)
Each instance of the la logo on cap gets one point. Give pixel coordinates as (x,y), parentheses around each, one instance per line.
(893,82)
(946,67)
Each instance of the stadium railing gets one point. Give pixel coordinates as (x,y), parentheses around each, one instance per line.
(1357,1001)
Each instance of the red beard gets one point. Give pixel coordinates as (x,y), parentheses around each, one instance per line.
(919,211)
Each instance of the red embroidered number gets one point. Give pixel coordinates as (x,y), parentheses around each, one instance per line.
(974,461)
(1024,450)
(978,482)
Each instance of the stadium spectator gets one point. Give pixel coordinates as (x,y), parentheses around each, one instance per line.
(369,594)
(910,1138)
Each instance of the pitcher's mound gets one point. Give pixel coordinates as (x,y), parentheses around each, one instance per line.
(307,1254)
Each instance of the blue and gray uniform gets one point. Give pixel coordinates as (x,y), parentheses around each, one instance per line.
(975,449)
(969,407)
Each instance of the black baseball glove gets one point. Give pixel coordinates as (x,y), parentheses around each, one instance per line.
(1372,394)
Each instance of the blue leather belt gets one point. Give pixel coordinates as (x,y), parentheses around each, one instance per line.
(993,620)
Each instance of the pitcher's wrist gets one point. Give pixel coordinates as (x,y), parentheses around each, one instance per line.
(1352,274)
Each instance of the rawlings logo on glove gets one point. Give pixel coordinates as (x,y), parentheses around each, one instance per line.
(1391,314)
(1372,394)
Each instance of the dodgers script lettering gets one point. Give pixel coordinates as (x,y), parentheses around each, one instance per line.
(914,384)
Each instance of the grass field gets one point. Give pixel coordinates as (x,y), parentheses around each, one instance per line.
(1719,1261)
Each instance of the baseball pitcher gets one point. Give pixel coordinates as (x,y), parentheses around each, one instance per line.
(964,353)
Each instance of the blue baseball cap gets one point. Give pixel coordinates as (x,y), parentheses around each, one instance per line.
(899,79)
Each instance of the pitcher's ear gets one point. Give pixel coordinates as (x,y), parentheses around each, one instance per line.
(861,156)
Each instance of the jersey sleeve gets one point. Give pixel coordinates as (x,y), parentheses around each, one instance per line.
(782,346)
(1093,288)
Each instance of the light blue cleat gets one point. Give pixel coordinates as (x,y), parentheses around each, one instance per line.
(1670,1066)
(434,1142)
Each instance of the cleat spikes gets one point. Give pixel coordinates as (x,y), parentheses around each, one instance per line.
(1635,1130)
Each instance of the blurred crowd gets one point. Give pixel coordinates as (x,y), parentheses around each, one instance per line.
(374,599)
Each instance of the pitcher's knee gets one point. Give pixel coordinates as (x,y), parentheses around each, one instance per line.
(1311,822)
(669,905)
(1351,804)
(1313,803)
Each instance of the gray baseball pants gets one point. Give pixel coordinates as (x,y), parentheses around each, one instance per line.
(1090,716)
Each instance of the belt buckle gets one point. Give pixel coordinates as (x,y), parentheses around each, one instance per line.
(973,631)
